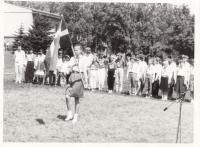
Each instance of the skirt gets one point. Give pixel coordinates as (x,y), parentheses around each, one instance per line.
(191,82)
(179,86)
(41,66)
(75,87)
(164,85)
(30,70)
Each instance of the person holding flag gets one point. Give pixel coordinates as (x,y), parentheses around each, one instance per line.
(75,87)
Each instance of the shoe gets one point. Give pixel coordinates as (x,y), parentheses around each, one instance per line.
(69,116)
(75,118)
(20,82)
(93,90)
(110,91)
(16,81)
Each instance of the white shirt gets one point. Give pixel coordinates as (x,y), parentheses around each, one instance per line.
(88,59)
(81,62)
(166,71)
(158,70)
(65,67)
(30,57)
(173,69)
(150,69)
(133,67)
(19,56)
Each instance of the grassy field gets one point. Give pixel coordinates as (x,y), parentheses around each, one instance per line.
(35,113)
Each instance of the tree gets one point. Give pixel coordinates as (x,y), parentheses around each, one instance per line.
(38,36)
(19,38)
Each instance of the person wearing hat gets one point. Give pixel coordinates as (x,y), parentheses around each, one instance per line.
(132,75)
(173,70)
(40,68)
(181,78)
(165,79)
(75,87)
(19,56)
(192,81)
(149,78)
(101,71)
(119,73)
(157,77)
(30,67)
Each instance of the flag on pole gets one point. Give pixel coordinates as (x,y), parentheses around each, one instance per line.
(61,40)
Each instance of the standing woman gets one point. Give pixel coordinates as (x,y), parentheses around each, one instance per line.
(165,79)
(40,67)
(30,67)
(181,79)
(111,73)
(101,71)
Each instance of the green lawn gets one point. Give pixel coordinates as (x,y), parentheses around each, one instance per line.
(103,117)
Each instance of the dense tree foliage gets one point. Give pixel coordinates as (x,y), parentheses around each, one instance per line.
(163,28)
(38,36)
(19,38)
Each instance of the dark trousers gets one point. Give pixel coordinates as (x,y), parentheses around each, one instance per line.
(155,88)
(67,78)
(111,79)
(52,78)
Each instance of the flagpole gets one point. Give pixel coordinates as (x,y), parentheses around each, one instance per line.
(73,50)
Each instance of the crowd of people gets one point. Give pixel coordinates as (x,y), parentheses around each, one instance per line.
(149,79)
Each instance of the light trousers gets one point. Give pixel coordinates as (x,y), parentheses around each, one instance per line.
(119,79)
(19,71)
(93,79)
(101,76)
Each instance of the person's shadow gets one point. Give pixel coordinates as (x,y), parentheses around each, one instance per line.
(62,117)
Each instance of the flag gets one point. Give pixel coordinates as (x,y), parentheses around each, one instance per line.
(61,40)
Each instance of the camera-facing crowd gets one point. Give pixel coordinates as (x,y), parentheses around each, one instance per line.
(153,78)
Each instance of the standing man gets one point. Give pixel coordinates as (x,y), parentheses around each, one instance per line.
(142,69)
(119,72)
(88,57)
(19,62)
(173,70)
(75,88)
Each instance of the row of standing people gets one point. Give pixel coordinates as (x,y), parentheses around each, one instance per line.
(142,78)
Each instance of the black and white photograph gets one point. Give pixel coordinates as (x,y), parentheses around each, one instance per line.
(99,72)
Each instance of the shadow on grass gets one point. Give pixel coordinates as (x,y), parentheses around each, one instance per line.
(40,121)
(62,117)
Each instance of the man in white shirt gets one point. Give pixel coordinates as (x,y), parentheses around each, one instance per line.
(172,66)
(142,69)
(132,75)
(88,58)
(19,63)
(149,79)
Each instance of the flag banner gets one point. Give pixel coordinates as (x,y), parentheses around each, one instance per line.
(47,60)
(61,40)
(65,41)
